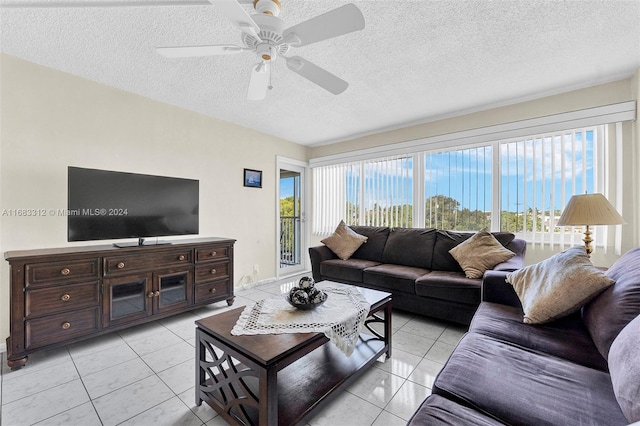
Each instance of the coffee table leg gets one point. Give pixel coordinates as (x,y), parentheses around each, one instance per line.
(200,356)
(269,397)
(387,328)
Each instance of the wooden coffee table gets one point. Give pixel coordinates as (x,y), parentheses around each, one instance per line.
(281,379)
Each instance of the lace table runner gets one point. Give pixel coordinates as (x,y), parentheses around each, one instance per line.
(340,318)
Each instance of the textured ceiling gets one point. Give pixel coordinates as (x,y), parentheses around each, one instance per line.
(415,60)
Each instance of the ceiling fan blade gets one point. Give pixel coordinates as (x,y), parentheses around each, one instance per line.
(237,15)
(336,22)
(317,75)
(190,51)
(259,82)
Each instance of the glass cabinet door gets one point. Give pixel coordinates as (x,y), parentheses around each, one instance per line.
(126,299)
(174,290)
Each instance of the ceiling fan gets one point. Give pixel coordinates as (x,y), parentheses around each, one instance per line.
(265,35)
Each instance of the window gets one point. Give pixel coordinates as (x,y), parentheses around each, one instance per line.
(537,176)
(458,189)
(489,177)
(540,173)
(374,193)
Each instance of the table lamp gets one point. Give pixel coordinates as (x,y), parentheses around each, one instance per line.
(588,210)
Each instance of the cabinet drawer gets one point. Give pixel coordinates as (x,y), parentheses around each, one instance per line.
(204,254)
(212,271)
(212,291)
(61,298)
(114,265)
(44,274)
(58,328)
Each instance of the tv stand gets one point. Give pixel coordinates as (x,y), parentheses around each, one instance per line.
(65,295)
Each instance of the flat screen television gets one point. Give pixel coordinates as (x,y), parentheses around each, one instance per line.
(105,205)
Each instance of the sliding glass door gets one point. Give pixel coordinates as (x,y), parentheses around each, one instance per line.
(291,218)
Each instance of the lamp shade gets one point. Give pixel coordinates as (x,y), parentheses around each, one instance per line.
(589,209)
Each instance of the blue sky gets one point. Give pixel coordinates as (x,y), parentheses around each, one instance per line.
(286,188)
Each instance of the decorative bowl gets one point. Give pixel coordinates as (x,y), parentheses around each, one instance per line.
(305,299)
(304,306)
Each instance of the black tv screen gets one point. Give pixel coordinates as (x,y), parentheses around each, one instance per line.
(113,205)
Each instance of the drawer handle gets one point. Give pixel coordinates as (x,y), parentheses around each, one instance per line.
(65,271)
(65,297)
(182,257)
(214,253)
(212,290)
(213,272)
(150,294)
(66,325)
(120,265)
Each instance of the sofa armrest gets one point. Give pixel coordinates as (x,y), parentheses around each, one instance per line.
(496,289)
(519,247)
(318,254)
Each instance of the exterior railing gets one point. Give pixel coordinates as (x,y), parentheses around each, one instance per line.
(289,240)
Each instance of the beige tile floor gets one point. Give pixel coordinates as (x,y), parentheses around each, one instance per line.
(145,376)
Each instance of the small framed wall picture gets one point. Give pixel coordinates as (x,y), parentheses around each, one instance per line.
(253,178)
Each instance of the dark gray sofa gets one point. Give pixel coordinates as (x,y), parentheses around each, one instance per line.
(583,369)
(414,265)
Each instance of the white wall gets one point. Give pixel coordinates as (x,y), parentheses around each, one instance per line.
(606,94)
(50,120)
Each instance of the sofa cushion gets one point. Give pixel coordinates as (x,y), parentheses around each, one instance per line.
(521,386)
(557,286)
(454,286)
(393,277)
(624,364)
(566,337)
(345,270)
(344,241)
(437,410)
(377,238)
(446,240)
(480,252)
(410,247)
(606,315)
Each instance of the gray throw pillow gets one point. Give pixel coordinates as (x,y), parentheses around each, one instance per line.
(606,315)
(624,367)
(557,286)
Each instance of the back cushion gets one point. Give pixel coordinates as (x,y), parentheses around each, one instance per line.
(624,366)
(446,240)
(410,247)
(373,248)
(615,307)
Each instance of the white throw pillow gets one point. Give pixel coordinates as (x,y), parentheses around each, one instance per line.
(557,286)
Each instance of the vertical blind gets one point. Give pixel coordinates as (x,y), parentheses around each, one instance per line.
(538,176)
(517,185)
(376,192)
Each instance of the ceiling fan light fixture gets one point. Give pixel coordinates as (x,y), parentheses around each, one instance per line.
(268,7)
(266,52)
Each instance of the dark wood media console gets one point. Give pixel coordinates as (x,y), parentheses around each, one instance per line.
(65,295)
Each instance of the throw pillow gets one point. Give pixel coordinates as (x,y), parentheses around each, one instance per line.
(480,252)
(625,369)
(606,315)
(344,241)
(557,286)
